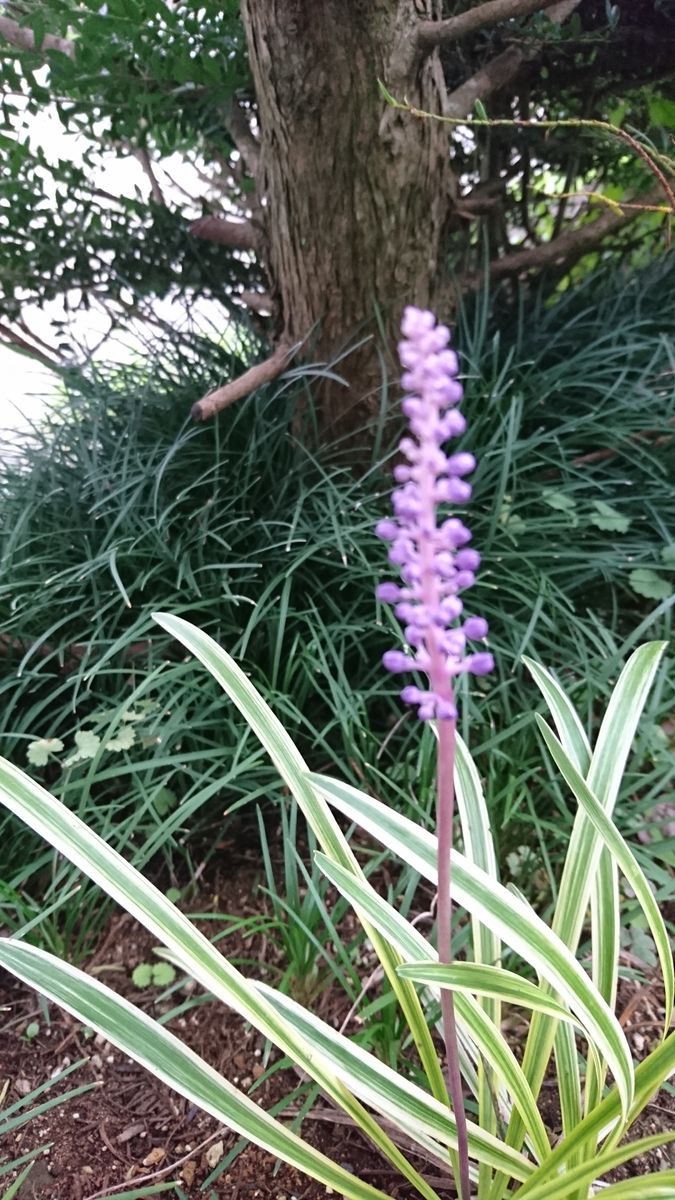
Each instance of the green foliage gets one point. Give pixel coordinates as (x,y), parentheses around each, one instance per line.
(512,1153)
(123,250)
(120,505)
(159,78)
(144,74)
(149,70)
(647,583)
(146,975)
(40,750)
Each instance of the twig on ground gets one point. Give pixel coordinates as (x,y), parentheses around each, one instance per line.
(159,1174)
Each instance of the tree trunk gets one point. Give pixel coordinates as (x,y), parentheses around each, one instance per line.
(356,194)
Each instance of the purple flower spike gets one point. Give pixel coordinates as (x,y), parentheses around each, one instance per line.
(431,554)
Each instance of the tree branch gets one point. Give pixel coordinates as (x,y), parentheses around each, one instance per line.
(493,76)
(258,302)
(243,137)
(431,34)
(561,10)
(21,343)
(562,251)
(252,379)
(24,39)
(241,235)
(141,154)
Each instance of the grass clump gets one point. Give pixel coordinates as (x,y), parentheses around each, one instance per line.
(119,505)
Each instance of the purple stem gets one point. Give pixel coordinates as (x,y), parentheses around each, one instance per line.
(445,787)
(442,687)
(441,684)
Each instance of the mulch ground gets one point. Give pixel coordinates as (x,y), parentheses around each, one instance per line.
(131,1131)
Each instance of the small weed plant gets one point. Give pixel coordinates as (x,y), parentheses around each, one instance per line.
(575,1039)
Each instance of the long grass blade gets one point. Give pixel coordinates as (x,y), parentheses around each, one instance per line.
(625,859)
(135,1033)
(512,920)
(174,930)
(586,1173)
(393,1095)
(294,772)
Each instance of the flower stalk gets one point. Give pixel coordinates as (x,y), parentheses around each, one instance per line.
(435,565)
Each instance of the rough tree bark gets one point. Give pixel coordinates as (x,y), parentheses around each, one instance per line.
(356,195)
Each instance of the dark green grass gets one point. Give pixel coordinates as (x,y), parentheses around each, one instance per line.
(120,505)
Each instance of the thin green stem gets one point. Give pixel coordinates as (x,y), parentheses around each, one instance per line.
(651,159)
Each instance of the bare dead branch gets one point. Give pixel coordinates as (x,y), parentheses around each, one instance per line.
(259,302)
(565,250)
(35,338)
(141,154)
(252,379)
(110,1189)
(441,33)
(471,207)
(493,76)
(15,339)
(240,131)
(241,235)
(561,10)
(179,186)
(24,39)
(335,1117)
(653,437)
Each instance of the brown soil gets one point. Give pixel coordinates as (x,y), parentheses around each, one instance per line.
(130,1130)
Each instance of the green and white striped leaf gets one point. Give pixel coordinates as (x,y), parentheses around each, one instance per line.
(364,899)
(604,779)
(580,1178)
(473,812)
(69,835)
(293,770)
(625,859)
(268,729)
(570,730)
(415,846)
(467,977)
(512,920)
(604,776)
(568,1077)
(471,1018)
(479,847)
(480,980)
(621,720)
(154,1047)
(606,1118)
(405,939)
(587,867)
(430,1123)
(643,1187)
